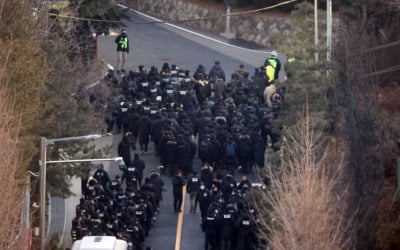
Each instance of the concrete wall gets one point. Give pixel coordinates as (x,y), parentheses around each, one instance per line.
(257,28)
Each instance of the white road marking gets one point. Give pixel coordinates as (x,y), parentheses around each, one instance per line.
(192,32)
(109,66)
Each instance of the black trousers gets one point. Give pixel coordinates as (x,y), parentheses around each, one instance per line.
(226,243)
(143,147)
(177,201)
(110,124)
(211,241)
(203,209)
(171,168)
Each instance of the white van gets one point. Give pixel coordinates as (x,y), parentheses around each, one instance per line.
(100,243)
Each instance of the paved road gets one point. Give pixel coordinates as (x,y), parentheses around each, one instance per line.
(153,45)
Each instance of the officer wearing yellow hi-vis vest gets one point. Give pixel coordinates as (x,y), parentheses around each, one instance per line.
(272,66)
(122,49)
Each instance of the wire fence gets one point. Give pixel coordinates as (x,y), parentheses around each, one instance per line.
(23,239)
(26,218)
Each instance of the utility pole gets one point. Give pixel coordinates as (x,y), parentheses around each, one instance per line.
(43,161)
(316,28)
(27,214)
(228,34)
(328,30)
(43,165)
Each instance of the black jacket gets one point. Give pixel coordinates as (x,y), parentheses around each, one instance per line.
(207,178)
(133,120)
(158,184)
(259,151)
(168,151)
(244,146)
(156,130)
(184,155)
(205,151)
(144,127)
(228,185)
(140,166)
(211,225)
(177,184)
(203,197)
(124,151)
(193,184)
(189,102)
(228,225)
(102,176)
(216,71)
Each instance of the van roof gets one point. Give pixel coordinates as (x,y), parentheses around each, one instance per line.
(98,243)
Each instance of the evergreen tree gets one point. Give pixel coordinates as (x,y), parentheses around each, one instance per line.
(105,10)
(41,72)
(59,175)
(345,104)
(66,110)
(307,81)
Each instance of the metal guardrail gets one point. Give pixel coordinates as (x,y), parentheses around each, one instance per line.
(57,217)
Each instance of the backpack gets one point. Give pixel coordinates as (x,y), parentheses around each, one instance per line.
(204,148)
(230,150)
(244,144)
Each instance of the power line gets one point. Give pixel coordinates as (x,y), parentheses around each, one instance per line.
(383,46)
(221,16)
(180,21)
(85,19)
(387,70)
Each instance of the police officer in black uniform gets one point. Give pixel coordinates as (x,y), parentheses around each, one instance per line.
(193,186)
(178,182)
(203,198)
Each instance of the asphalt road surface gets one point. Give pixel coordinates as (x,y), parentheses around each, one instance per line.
(153,44)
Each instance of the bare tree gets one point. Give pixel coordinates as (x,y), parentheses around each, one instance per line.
(305,206)
(11,200)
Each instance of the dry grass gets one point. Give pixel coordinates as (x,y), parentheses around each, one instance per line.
(11,193)
(305,208)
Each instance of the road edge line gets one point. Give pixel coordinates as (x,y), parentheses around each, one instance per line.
(192,32)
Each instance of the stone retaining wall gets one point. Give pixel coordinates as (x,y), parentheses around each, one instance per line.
(257,28)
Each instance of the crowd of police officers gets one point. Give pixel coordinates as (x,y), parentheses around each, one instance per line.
(226,123)
(107,208)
